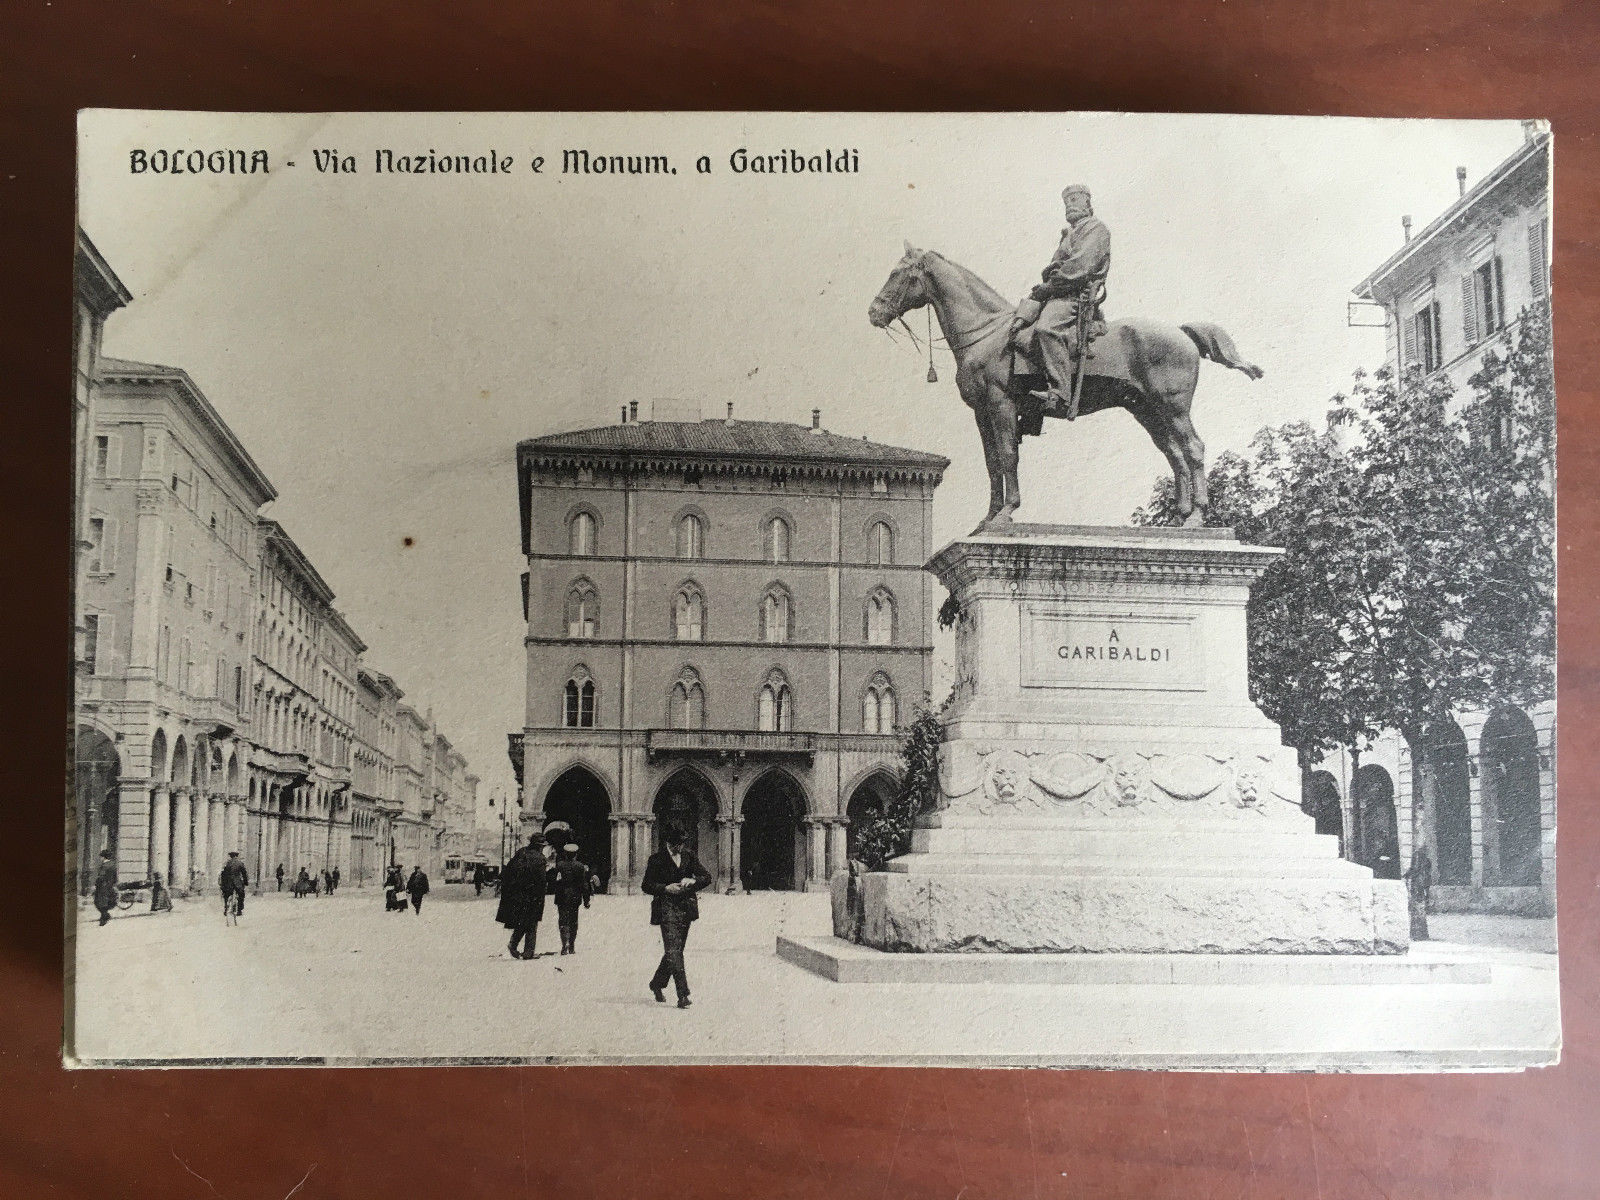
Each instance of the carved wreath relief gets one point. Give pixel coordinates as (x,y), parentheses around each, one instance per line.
(986,779)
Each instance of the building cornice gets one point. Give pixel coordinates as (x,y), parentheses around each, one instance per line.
(95,281)
(770,648)
(689,564)
(1535,150)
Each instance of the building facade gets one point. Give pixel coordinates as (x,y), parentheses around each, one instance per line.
(1480,792)
(726,623)
(169,569)
(220,698)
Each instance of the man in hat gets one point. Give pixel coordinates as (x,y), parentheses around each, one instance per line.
(1069,287)
(522,889)
(105,886)
(232,882)
(571,887)
(672,877)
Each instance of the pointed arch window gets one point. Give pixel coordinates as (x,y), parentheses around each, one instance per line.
(776,538)
(688,614)
(581,533)
(880,543)
(583,610)
(687,707)
(879,713)
(577,707)
(777,615)
(775,705)
(879,618)
(691,536)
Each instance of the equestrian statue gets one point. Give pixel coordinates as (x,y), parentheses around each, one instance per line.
(1055,355)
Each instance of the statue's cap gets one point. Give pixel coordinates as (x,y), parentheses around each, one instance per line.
(1075,189)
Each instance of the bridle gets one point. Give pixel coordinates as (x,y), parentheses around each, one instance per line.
(899,300)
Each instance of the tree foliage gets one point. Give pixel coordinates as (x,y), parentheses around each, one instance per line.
(1418,573)
(886,833)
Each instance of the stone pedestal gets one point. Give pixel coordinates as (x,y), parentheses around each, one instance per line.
(1108,786)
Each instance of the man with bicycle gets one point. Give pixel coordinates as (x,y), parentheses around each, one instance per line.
(232,882)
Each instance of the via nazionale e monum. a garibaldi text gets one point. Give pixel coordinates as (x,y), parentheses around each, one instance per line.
(388,161)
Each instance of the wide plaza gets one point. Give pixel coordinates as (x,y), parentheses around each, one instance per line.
(339,980)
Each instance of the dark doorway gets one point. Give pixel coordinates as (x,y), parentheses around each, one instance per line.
(1319,799)
(96,776)
(1447,791)
(1508,768)
(686,800)
(869,800)
(770,853)
(580,799)
(1380,829)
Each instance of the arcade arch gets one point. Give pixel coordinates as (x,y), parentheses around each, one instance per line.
(579,798)
(771,847)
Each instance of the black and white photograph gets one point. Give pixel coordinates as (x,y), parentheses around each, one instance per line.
(1067,590)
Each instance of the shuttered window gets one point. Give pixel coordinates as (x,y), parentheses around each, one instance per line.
(1538,258)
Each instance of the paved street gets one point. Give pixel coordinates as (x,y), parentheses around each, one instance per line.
(338,978)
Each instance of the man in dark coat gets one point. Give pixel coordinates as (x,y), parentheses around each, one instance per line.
(571,887)
(105,886)
(522,888)
(280,877)
(672,877)
(417,888)
(1074,274)
(232,882)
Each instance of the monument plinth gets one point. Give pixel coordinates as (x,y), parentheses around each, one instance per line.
(1107,784)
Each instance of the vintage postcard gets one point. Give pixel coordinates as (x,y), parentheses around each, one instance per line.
(1044,589)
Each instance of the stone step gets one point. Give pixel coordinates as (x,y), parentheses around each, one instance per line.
(1166,867)
(845,962)
(1218,840)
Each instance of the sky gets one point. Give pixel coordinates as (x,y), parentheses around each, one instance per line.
(381,342)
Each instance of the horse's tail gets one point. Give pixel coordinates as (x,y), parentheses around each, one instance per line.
(1214,343)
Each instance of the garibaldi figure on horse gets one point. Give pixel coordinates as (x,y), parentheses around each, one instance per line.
(1063,310)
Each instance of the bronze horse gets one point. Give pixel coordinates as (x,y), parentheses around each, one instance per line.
(1163,366)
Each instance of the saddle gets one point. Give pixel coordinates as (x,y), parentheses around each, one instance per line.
(1027,369)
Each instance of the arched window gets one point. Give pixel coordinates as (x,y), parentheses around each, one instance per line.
(878,711)
(774,706)
(777,615)
(577,709)
(691,536)
(688,701)
(688,614)
(776,539)
(580,534)
(879,619)
(880,543)
(583,609)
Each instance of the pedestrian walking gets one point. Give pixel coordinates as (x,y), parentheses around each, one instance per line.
(105,886)
(160,898)
(327,881)
(522,889)
(231,882)
(672,878)
(333,883)
(477,879)
(1419,881)
(394,886)
(571,885)
(280,877)
(417,888)
(302,885)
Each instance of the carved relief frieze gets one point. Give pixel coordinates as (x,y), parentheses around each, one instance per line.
(996,779)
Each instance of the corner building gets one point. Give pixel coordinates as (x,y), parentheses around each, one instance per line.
(726,622)
(1480,791)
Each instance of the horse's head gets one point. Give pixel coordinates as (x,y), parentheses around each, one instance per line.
(906,288)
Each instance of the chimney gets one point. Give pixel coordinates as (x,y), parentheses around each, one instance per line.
(1461,181)
(633,410)
(624,414)
(730,412)
(1405,225)
(816,419)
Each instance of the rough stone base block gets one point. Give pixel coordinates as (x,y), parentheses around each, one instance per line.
(1105,914)
(844,962)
